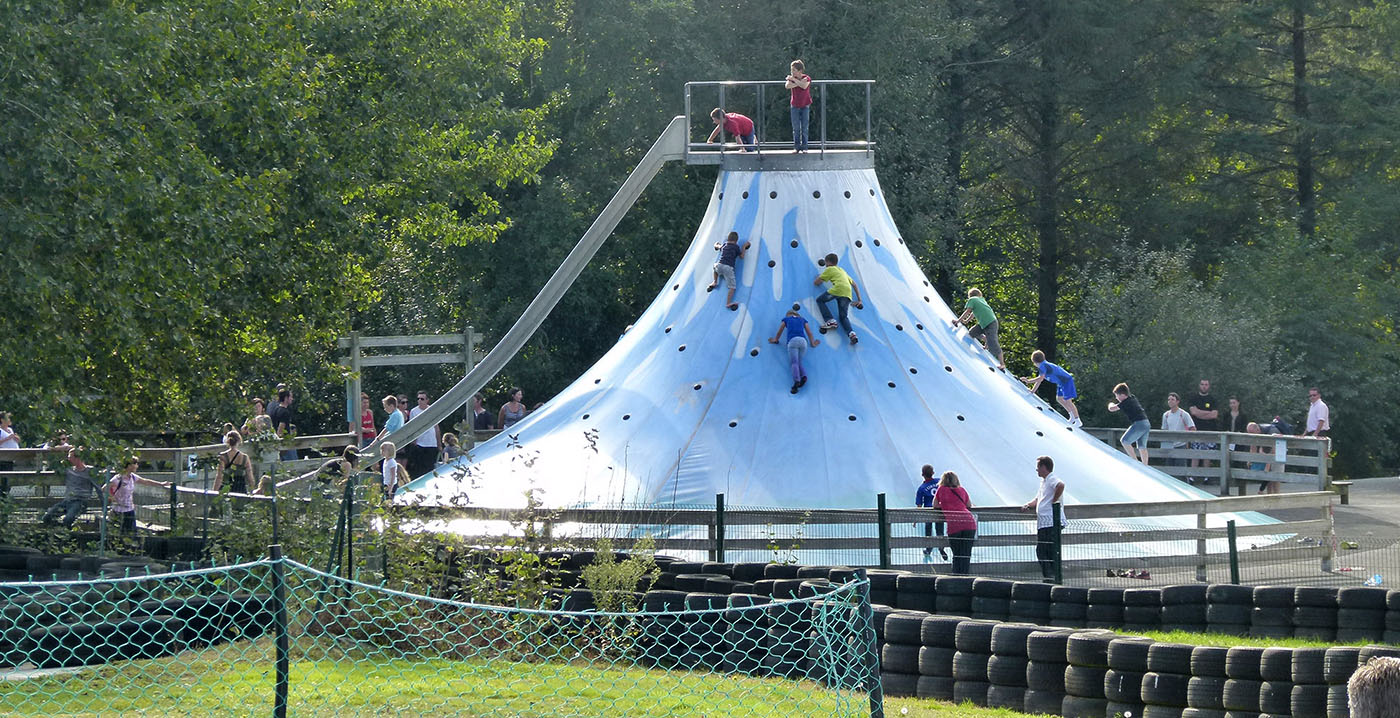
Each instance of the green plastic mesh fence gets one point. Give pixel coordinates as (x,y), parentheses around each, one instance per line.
(278,637)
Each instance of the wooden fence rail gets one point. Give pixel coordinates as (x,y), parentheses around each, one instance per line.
(1286,459)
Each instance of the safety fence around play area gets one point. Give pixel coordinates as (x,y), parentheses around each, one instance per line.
(278,636)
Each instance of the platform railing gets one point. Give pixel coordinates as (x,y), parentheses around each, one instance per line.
(1235,459)
(730,98)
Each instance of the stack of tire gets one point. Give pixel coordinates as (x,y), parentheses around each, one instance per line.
(789,643)
(745,634)
(1360,614)
(1142,609)
(973,641)
(1168,677)
(1243,682)
(1315,613)
(1337,666)
(1030,601)
(991,599)
(749,572)
(702,644)
(661,634)
(916,592)
(1276,691)
(1069,606)
(1308,697)
(1087,656)
(1006,669)
(938,645)
(899,655)
(1184,608)
(1229,608)
(1122,682)
(884,586)
(1105,608)
(953,595)
(1045,671)
(1273,612)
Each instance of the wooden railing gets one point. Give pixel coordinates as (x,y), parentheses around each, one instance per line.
(1286,459)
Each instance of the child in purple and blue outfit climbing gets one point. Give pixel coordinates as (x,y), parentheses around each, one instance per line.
(729,254)
(1063,381)
(799,337)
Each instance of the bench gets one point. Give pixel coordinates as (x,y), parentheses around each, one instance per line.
(1343,488)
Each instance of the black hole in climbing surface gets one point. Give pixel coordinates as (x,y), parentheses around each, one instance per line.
(753,352)
(947,368)
(681,348)
(872,193)
(1040,408)
(852,417)
(912,370)
(899,327)
(771,263)
(625,417)
(960,418)
(733,424)
(709,289)
(696,387)
(668,330)
(821,262)
(793,243)
(901,239)
(919,326)
(585,416)
(721,195)
(859,244)
(597,381)
(772,195)
(877,243)
(746,195)
(675,287)
(1040,433)
(816,194)
(796,306)
(925,299)
(992,369)
(848,194)
(925,282)
(1071,428)
(891,385)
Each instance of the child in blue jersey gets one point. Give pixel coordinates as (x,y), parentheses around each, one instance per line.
(799,337)
(923,498)
(1063,381)
(729,254)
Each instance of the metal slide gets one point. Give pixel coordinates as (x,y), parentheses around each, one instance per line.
(668,147)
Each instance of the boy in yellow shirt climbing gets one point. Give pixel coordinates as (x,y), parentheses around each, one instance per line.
(842,288)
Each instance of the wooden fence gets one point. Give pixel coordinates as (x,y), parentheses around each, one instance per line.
(1235,459)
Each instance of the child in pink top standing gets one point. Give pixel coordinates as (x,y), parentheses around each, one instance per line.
(122,490)
(952,499)
(800,106)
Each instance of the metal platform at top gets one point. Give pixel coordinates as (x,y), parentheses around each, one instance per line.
(839,137)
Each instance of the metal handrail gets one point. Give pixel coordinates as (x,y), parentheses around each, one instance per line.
(823,144)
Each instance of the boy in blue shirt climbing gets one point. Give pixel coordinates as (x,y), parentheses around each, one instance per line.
(729,254)
(841,288)
(1063,381)
(799,337)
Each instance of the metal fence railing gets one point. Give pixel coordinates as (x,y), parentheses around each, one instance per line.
(841,116)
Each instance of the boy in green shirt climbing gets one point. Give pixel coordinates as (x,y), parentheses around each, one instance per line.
(842,287)
(987,325)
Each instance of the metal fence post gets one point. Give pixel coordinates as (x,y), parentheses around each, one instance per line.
(871,653)
(1059,543)
(174,499)
(1234,552)
(350,524)
(883,518)
(102,520)
(719,528)
(276,531)
(279,617)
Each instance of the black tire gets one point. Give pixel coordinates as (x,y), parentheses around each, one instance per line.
(1320,596)
(1347,634)
(1241,695)
(1208,661)
(940,631)
(1165,689)
(974,636)
(1048,677)
(753,572)
(811,587)
(953,605)
(1229,593)
(916,583)
(1009,697)
(810,572)
(1047,646)
(1370,597)
(991,588)
(1276,664)
(1361,618)
(896,658)
(970,666)
(1031,591)
(971,691)
(1206,692)
(935,687)
(1170,658)
(935,661)
(762,587)
(1273,597)
(1308,665)
(884,598)
(995,609)
(1339,663)
(900,685)
(1184,613)
(1122,686)
(1129,654)
(1308,701)
(1084,681)
(880,614)
(954,586)
(772,570)
(1083,707)
(1228,613)
(1023,609)
(904,627)
(1243,662)
(1271,618)
(1069,594)
(1274,697)
(1392,600)
(1337,704)
(1106,613)
(1190,593)
(1106,596)
(1374,651)
(1009,639)
(1142,618)
(1315,617)
(916,601)
(1143,597)
(1088,650)
(881,579)
(783,588)
(722,585)
(1043,702)
(1007,670)
(1068,614)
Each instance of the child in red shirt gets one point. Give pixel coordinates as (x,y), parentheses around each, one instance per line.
(734,124)
(801,105)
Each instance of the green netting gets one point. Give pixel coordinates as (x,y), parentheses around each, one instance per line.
(240,640)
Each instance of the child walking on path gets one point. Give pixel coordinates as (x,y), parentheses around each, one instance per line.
(799,337)
(122,490)
(800,106)
(734,124)
(841,290)
(987,325)
(393,473)
(1138,425)
(1063,381)
(729,254)
(924,498)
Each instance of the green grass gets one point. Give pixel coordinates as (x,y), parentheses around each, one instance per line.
(1226,639)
